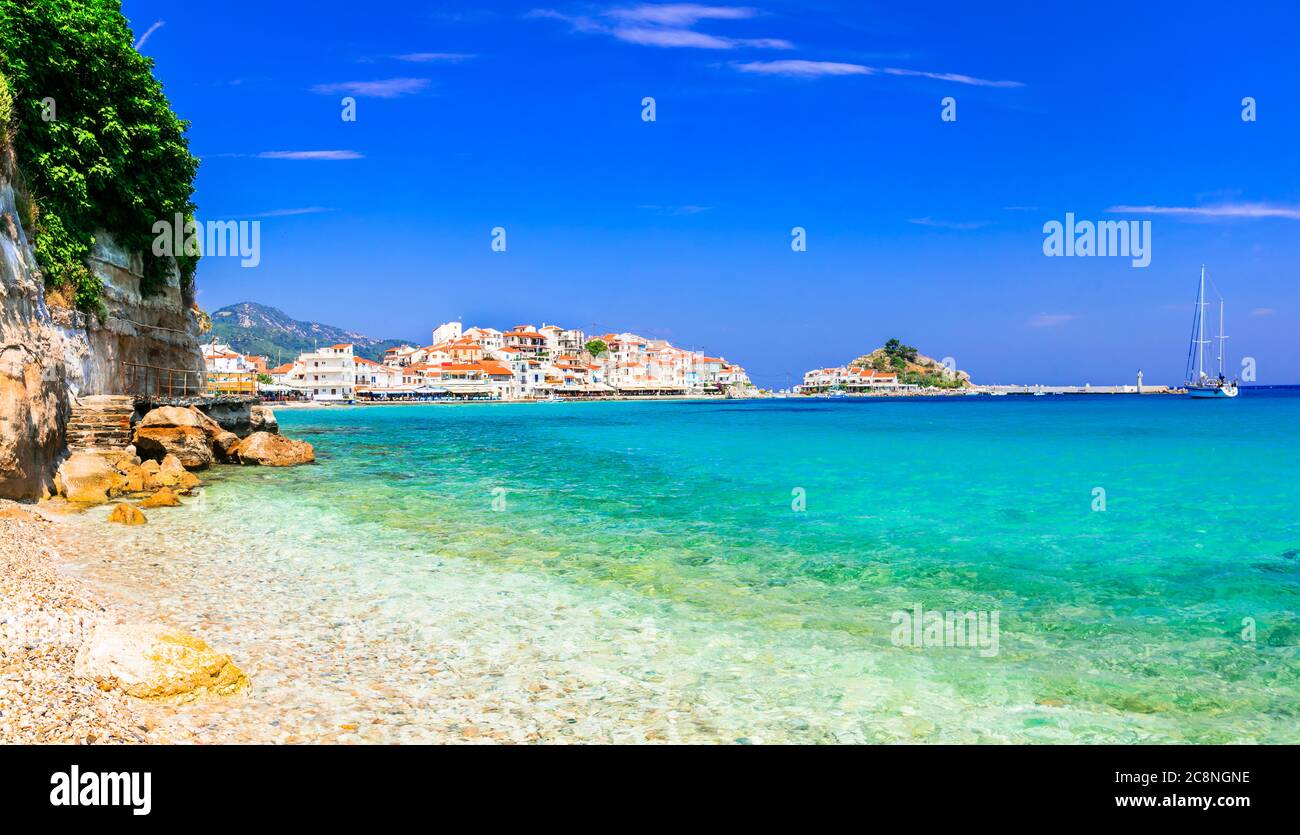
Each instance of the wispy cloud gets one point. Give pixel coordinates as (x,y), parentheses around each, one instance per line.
(1218,212)
(1051,320)
(309,210)
(667,25)
(956,78)
(948,224)
(803,69)
(433,57)
(328,155)
(680,14)
(677,210)
(816,69)
(388,88)
(158,24)
(1263,311)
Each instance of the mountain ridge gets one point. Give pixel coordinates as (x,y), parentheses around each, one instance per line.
(253,328)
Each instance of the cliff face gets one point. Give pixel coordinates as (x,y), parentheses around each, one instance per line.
(156,331)
(34,400)
(51,356)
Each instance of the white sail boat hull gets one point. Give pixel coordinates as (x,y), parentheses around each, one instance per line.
(1200,385)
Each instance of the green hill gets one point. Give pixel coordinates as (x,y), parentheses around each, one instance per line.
(252,328)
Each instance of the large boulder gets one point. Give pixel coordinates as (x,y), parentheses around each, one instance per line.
(163,498)
(269,450)
(89,478)
(220,440)
(125,514)
(171,473)
(262,419)
(171,430)
(154,662)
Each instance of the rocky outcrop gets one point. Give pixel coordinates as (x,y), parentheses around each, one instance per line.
(219,439)
(262,419)
(97,477)
(51,355)
(907,361)
(163,498)
(267,450)
(125,514)
(34,401)
(156,663)
(171,430)
(90,478)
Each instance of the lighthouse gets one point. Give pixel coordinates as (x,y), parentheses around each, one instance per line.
(1139,381)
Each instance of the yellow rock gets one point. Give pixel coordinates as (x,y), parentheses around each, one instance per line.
(170,472)
(134,479)
(88,478)
(189,481)
(154,662)
(126,515)
(16,513)
(163,498)
(269,450)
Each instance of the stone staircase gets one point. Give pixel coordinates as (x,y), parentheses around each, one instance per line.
(100,422)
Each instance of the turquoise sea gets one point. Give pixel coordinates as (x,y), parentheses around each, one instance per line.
(732,571)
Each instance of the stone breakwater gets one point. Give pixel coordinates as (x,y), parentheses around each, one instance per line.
(71,672)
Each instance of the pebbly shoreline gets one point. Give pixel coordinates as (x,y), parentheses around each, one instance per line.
(45,615)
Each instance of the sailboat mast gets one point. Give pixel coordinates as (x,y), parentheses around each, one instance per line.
(1200,331)
(1221,337)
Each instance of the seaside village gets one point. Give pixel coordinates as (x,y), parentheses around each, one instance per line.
(523,363)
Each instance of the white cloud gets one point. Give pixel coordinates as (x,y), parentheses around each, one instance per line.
(431,57)
(677,210)
(388,88)
(666,25)
(956,78)
(309,210)
(158,24)
(327,155)
(803,69)
(814,69)
(1051,320)
(948,224)
(1223,210)
(1263,311)
(680,14)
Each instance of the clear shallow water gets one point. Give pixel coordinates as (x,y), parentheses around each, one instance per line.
(647,577)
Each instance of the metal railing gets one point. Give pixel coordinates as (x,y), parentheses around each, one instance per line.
(152,380)
(232,382)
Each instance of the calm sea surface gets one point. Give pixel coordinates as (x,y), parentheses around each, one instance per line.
(733,571)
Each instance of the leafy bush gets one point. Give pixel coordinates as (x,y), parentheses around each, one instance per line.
(6,109)
(113,156)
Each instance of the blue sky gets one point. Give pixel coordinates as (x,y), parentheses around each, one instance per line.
(770,115)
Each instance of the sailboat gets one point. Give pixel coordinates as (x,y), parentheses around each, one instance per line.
(1200,385)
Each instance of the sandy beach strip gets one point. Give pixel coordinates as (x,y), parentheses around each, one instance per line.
(44,616)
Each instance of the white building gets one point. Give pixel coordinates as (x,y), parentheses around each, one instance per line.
(327,374)
(446,332)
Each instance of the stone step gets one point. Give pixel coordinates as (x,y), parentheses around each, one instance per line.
(99,423)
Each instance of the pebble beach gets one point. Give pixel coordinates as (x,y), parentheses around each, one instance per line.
(44,616)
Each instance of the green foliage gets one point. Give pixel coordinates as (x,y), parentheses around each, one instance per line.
(930,379)
(6,108)
(596,347)
(113,157)
(896,351)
